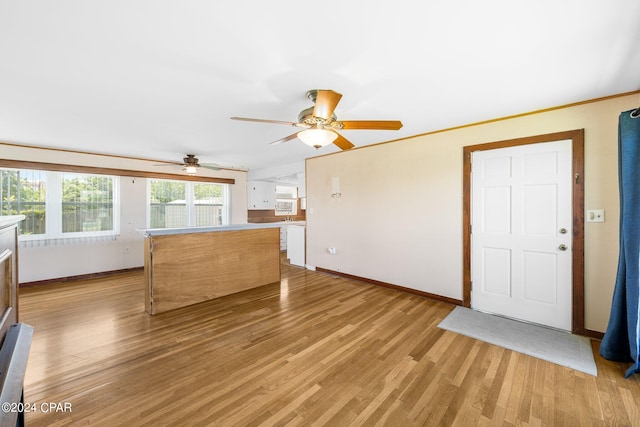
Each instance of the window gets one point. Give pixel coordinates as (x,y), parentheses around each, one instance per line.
(24,193)
(87,203)
(58,205)
(208,201)
(286,200)
(175,204)
(168,204)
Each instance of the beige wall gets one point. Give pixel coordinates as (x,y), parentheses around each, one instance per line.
(399,219)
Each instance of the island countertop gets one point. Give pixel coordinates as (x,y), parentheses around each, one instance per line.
(231,227)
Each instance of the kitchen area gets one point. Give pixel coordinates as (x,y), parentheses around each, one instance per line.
(283,203)
(185,266)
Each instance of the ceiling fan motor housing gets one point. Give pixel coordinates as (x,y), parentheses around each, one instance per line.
(191,160)
(306,116)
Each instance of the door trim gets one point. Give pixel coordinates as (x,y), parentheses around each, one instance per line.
(577,207)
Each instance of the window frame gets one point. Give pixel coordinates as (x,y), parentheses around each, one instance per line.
(54,210)
(191,217)
(293,201)
(115,206)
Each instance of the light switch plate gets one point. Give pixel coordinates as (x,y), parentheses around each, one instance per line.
(595,215)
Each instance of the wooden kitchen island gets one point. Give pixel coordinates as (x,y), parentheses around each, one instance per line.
(186,266)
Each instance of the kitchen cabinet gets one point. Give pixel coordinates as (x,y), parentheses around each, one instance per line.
(296,245)
(284,234)
(261,195)
(302,185)
(283,238)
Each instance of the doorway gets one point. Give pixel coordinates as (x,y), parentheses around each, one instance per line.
(538,261)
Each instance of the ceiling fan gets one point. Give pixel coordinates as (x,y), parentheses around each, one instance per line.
(321,124)
(191,165)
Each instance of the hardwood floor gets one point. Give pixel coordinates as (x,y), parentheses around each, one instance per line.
(314,349)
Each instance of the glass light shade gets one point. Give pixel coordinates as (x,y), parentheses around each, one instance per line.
(317,137)
(190,170)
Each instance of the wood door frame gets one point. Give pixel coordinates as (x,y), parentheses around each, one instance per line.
(577,261)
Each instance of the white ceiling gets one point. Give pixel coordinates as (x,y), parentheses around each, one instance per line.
(160,78)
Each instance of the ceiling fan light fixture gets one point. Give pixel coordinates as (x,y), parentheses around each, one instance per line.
(190,170)
(318,137)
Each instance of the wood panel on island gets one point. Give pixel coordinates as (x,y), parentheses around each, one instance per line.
(192,265)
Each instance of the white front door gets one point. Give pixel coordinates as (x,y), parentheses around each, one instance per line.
(521,232)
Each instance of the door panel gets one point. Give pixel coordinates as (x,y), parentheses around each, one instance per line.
(497,271)
(540,207)
(497,210)
(520,199)
(539,278)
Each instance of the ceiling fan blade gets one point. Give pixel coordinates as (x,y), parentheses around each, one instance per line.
(278,122)
(343,143)
(326,102)
(285,139)
(371,124)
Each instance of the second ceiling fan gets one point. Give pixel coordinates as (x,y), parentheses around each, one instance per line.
(321,124)
(191,164)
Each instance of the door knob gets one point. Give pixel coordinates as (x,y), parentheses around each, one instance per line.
(563,231)
(562,247)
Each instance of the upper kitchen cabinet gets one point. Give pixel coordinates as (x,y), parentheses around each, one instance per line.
(302,185)
(261,195)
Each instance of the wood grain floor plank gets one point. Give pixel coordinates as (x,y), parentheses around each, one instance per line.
(314,349)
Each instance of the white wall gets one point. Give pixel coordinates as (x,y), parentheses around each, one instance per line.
(126,251)
(399,219)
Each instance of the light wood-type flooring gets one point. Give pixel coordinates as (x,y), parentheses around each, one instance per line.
(314,349)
